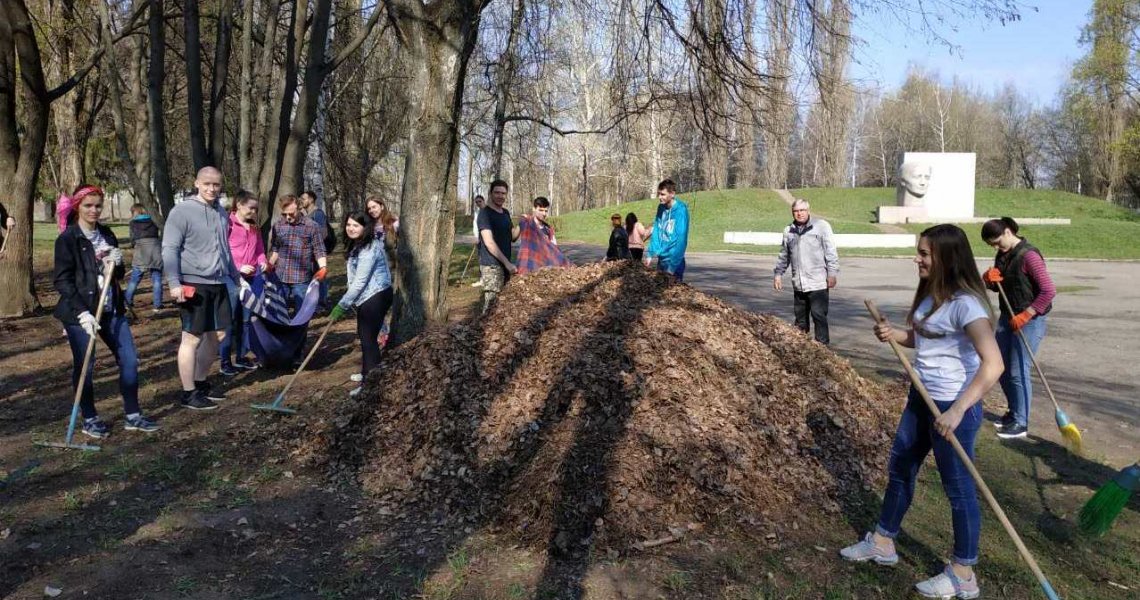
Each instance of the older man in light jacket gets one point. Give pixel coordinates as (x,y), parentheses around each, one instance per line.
(809,248)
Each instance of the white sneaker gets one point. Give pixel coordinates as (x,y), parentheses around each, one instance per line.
(867,550)
(946,585)
(355,393)
(356,378)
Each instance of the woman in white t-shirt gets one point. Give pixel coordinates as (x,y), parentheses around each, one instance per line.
(950,326)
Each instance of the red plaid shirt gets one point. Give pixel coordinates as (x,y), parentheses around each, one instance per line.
(537,248)
(298,246)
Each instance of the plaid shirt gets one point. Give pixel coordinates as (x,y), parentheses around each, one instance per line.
(298,246)
(537,248)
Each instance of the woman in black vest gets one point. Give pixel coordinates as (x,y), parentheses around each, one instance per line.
(81,252)
(1020,268)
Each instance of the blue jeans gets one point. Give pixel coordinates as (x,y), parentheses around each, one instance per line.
(914,439)
(155,281)
(1015,381)
(324,292)
(116,333)
(678,273)
(237,333)
(296,294)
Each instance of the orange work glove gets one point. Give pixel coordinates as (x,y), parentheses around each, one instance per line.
(321,274)
(1019,320)
(992,275)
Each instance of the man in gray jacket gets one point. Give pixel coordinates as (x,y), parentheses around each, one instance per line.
(809,248)
(196,258)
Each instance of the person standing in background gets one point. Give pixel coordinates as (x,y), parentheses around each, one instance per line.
(147,256)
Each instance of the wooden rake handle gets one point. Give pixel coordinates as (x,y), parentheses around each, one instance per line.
(1028,350)
(108,270)
(965,458)
(304,363)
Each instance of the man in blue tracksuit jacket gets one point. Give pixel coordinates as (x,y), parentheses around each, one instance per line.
(670,234)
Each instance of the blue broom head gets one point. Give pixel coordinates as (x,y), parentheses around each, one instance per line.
(1062,419)
(1129,478)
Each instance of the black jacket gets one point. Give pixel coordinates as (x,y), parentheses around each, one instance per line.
(619,245)
(77,275)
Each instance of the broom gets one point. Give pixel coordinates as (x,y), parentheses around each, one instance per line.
(1102,509)
(1069,432)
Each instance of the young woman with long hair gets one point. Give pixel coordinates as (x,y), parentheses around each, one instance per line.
(82,252)
(637,234)
(369,287)
(950,327)
(1020,269)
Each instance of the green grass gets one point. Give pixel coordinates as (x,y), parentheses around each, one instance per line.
(712,213)
(1098,229)
(44,234)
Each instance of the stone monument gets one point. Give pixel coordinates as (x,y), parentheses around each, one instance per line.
(933,187)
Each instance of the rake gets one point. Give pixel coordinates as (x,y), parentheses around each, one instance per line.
(1069,431)
(69,442)
(965,458)
(278,404)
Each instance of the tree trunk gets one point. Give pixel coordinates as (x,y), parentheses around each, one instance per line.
(20,155)
(66,114)
(438,40)
(140,136)
(504,77)
(833,52)
(746,123)
(245,91)
(156,111)
(122,145)
(194,101)
(778,104)
(222,44)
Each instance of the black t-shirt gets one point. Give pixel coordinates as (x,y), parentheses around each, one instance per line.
(500,225)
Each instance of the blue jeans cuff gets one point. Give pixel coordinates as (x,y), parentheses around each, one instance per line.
(965,562)
(883,532)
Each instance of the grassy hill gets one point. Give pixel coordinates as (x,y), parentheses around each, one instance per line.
(712,213)
(1098,230)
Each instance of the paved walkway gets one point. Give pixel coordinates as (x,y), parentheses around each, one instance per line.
(1090,352)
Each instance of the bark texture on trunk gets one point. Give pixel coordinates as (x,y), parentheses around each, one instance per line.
(438,40)
(20,155)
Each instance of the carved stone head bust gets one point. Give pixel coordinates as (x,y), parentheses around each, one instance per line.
(914,181)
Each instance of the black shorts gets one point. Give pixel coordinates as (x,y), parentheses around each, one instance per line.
(208,310)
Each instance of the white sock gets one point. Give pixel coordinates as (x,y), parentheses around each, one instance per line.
(133,416)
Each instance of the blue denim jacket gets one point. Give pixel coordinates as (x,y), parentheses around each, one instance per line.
(368,275)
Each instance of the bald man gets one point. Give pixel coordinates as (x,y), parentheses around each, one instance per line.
(196,258)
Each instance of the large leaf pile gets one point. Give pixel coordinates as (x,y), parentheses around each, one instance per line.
(604,405)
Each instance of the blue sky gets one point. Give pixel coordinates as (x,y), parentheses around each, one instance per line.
(1035,53)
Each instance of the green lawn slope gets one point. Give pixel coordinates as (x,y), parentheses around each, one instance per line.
(1098,229)
(712,214)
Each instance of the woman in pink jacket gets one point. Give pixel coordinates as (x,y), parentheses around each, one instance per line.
(249,257)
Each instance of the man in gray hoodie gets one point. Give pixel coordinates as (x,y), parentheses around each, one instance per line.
(197,261)
(809,248)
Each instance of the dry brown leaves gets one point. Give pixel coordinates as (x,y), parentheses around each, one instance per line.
(607,405)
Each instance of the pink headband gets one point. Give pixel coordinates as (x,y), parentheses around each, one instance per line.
(65,205)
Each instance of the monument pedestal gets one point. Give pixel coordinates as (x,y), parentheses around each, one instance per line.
(898,215)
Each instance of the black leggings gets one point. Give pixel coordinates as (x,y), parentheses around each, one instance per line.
(636,253)
(369,320)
